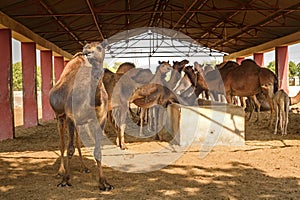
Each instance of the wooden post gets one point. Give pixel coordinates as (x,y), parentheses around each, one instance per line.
(259,58)
(30,107)
(58,66)
(7,130)
(239,60)
(46,73)
(282,67)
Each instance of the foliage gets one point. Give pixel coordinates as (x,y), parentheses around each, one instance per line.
(271,66)
(17,76)
(294,69)
(18,79)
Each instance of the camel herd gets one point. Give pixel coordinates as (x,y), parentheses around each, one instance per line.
(87,95)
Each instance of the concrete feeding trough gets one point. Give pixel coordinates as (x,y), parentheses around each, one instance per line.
(210,124)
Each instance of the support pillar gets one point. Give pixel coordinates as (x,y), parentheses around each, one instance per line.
(7,129)
(30,106)
(58,66)
(239,60)
(66,62)
(259,59)
(282,67)
(46,73)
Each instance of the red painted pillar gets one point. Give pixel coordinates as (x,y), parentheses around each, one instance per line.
(282,67)
(7,129)
(46,72)
(259,58)
(66,62)
(239,60)
(58,66)
(30,107)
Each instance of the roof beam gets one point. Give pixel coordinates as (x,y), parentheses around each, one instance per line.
(247,28)
(184,14)
(61,23)
(268,46)
(23,34)
(95,19)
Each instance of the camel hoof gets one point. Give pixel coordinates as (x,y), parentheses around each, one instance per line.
(86,170)
(106,188)
(123,147)
(64,184)
(58,175)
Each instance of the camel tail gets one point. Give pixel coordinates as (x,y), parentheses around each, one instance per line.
(275,84)
(116,113)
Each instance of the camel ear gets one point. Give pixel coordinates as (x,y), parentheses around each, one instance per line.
(168,61)
(159,62)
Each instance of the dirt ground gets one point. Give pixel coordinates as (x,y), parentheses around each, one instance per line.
(267,167)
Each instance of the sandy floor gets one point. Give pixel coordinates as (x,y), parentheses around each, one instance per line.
(267,167)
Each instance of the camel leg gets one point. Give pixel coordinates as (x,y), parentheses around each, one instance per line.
(286,116)
(84,168)
(61,124)
(271,103)
(123,115)
(277,118)
(70,153)
(142,116)
(257,105)
(103,184)
(122,143)
(281,113)
(119,116)
(159,124)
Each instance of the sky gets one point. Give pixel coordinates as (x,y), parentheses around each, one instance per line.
(293,52)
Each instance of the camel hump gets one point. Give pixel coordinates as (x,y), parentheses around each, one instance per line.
(125,67)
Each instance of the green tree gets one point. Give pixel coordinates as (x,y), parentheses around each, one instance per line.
(38,78)
(292,69)
(17,76)
(298,69)
(271,66)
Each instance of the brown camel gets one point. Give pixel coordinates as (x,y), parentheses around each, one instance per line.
(176,72)
(79,101)
(249,79)
(125,67)
(282,102)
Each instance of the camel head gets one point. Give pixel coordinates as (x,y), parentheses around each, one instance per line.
(198,67)
(95,51)
(178,66)
(164,67)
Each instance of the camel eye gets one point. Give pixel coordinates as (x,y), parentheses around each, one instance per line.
(99,48)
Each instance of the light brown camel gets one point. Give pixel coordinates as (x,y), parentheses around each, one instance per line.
(282,102)
(79,101)
(121,98)
(155,93)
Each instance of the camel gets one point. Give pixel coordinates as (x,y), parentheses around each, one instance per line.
(126,92)
(232,80)
(79,101)
(281,105)
(249,79)
(125,67)
(281,102)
